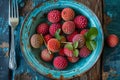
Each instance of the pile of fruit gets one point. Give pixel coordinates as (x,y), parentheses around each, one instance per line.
(67,38)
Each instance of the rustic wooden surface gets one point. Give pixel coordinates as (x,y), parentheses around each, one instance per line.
(109,60)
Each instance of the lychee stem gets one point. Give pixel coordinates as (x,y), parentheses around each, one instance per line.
(45,43)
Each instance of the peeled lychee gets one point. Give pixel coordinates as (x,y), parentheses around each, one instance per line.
(68,14)
(68,27)
(36,41)
(54,16)
(60,62)
(80,38)
(46,56)
(53,45)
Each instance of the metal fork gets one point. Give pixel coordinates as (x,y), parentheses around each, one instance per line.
(13,22)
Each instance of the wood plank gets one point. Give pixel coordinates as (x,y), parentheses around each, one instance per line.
(95,72)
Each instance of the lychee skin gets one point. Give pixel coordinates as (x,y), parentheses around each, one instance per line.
(54,27)
(80,38)
(43,28)
(68,53)
(60,62)
(53,45)
(61,52)
(54,16)
(73,59)
(80,21)
(112,40)
(84,31)
(70,37)
(36,41)
(68,14)
(46,56)
(68,27)
(47,37)
(84,52)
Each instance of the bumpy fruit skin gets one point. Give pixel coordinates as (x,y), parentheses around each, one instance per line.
(112,40)
(68,27)
(68,14)
(46,56)
(53,45)
(80,38)
(60,62)
(61,52)
(84,52)
(43,28)
(80,21)
(54,16)
(36,41)
(84,31)
(47,37)
(70,37)
(68,53)
(54,27)
(73,59)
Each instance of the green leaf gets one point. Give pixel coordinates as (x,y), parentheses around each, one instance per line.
(91,44)
(75,44)
(57,34)
(76,52)
(69,46)
(92,33)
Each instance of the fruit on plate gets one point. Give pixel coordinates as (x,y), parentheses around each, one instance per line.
(68,14)
(43,28)
(54,16)
(36,41)
(46,56)
(80,38)
(66,37)
(80,21)
(84,52)
(68,27)
(54,27)
(112,40)
(60,62)
(53,45)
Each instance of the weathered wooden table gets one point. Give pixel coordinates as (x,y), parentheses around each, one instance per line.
(105,68)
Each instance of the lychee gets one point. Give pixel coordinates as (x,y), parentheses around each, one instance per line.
(80,21)
(36,41)
(60,62)
(53,45)
(68,27)
(54,16)
(68,14)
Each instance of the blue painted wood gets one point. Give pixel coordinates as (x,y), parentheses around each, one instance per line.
(111,59)
(4,40)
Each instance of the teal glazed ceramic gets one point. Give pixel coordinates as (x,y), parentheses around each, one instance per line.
(32,56)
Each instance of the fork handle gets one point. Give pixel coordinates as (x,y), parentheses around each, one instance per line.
(12,59)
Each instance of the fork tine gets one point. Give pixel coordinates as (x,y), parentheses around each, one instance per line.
(17,14)
(14,8)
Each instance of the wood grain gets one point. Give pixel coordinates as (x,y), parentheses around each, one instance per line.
(95,72)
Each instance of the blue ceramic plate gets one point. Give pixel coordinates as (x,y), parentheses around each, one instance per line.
(32,56)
